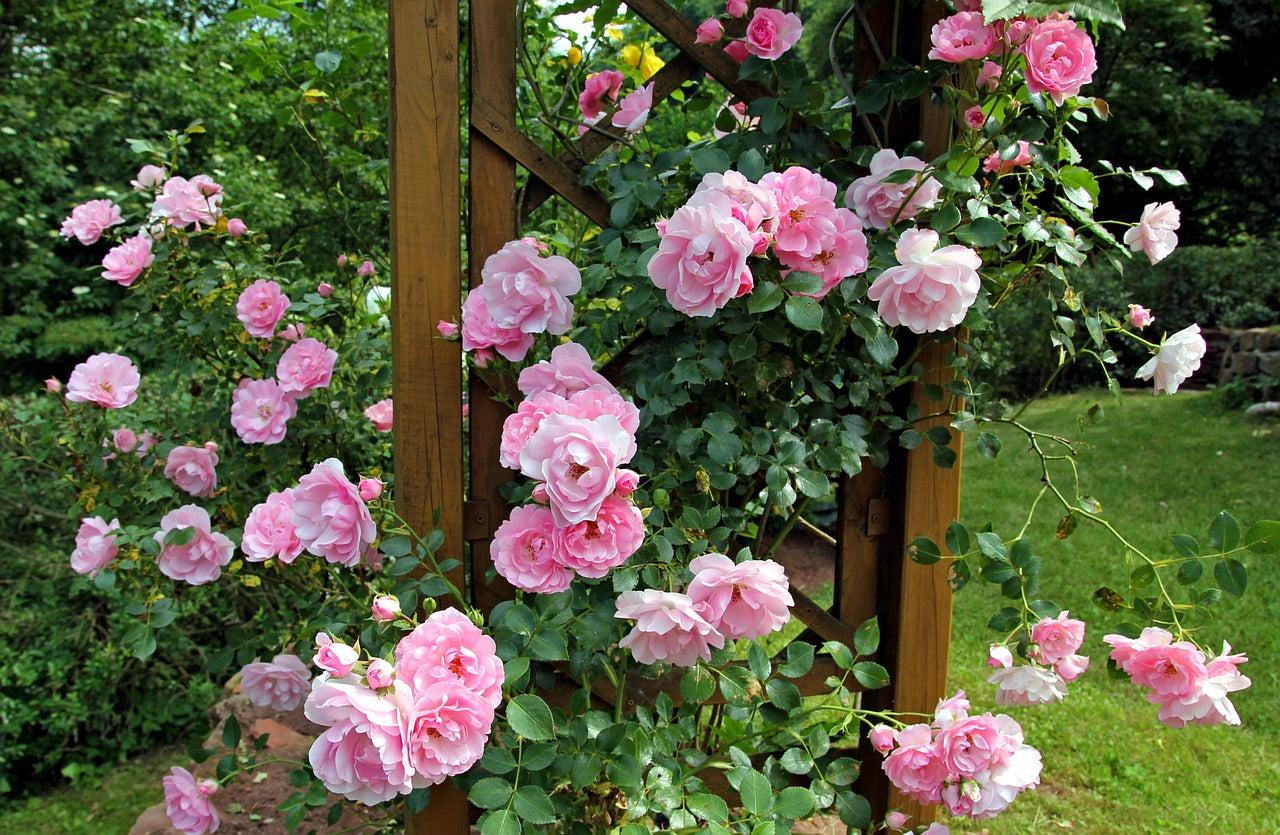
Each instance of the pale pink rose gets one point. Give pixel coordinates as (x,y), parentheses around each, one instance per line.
(1024,684)
(881,737)
(447,729)
(1071,667)
(183,202)
(124,263)
(1056,638)
(480,332)
(989,76)
(260,307)
(292,333)
(187,803)
(1060,59)
(568,370)
(1171,670)
(880,204)
(280,684)
(149,176)
(999,656)
(668,628)
(633,111)
(896,821)
(770,33)
(951,710)
(937,829)
(710,30)
(1014,33)
(744,600)
(737,50)
(754,205)
(1021,771)
(385,608)
(806,223)
(1124,649)
(343,260)
(931,289)
(577,459)
(520,425)
(964,36)
(192,468)
(324,289)
(448,647)
(448,330)
(843,254)
(305,366)
(53,385)
(199,560)
(1139,316)
(1155,233)
(370,488)
(736,8)
(701,262)
(269,532)
(379,674)
(591,403)
(364,754)
(146,441)
(124,439)
(974,118)
(381,415)
(261,410)
(89,220)
(109,380)
(1207,704)
(595,547)
(329,516)
(1177,359)
(916,767)
(334,657)
(95,545)
(366,269)
(524,551)
(600,92)
(626,483)
(993,164)
(972,745)
(528,292)
(529,240)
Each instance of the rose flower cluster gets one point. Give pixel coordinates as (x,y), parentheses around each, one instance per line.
(1054,642)
(1187,686)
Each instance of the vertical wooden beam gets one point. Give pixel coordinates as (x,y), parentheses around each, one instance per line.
(425,270)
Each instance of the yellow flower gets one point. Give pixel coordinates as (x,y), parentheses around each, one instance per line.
(650,64)
(575,56)
(613,32)
(630,55)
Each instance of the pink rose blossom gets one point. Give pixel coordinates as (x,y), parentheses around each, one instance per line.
(448,728)
(1155,233)
(449,648)
(124,439)
(599,93)
(633,111)
(329,516)
(524,551)
(1207,704)
(305,366)
(999,656)
(577,459)
(736,8)
(995,164)
(989,76)
(770,33)
(668,628)
(568,370)
(109,380)
(385,608)
(480,332)
(334,657)
(951,710)
(448,330)
(260,307)
(183,202)
(191,468)
(879,203)
(737,50)
(380,414)
(1139,316)
(881,737)
(324,289)
(364,754)
(53,385)
(626,483)
(595,547)
(964,36)
(916,767)
(974,118)
(1024,684)
(744,600)
(754,205)
(124,263)
(1169,669)
(370,488)
(701,262)
(95,545)
(236,227)
(280,684)
(292,333)
(379,674)
(199,560)
(187,804)
(1071,667)
(972,745)
(366,269)
(806,224)
(710,30)
(269,532)
(931,289)
(261,410)
(520,425)
(343,260)
(89,220)
(1177,359)
(528,292)
(843,254)
(149,176)
(896,820)
(1060,59)
(1056,638)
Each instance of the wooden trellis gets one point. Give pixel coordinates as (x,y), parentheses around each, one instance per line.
(880,510)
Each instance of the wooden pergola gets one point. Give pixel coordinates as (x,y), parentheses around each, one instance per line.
(881,510)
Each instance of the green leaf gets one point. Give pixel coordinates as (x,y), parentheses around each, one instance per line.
(328,61)
(1172,176)
(416,802)
(1190,572)
(813,484)
(707,160)
(988,444)
(991,545)
(500,822)
(758,661)
(870,675)
(764,298)
(231,731)
(839,653)
(490,793)
(756,793)
(549,645)
(697,684)
(854,810)
(799,660)
(783,694)
(708,807)
(804,312)
(866,640)
(1080,185)
(1102,11)
(945,219)
(530,717)
(794,803)
(1263,537)
(796,761)
(924,550)
(957,538)
(1231,576)
(982,232)
(1224,532)
(1186,546)
(533,805)
(993,10)
(734,685)
(882,347)
(751,164)
(621,212)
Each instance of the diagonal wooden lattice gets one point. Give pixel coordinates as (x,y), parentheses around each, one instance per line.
(880,510)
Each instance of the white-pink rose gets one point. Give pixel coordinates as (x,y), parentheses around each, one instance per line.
(710,30)
(149,176)
(577,460)
(668,628)
(305,366)
(379,674)
(964,36)
(261,411)
(109,380)
(480,332)
(931,289)
(525,291)
(1177,359)
(743,600)
(280,684)
(364,754)
(521,424)
(329,516)
(269,531)
(89,220)
(1139,316)
(187,804)
(770,33)
(260,307)
(567,371)
(124,263)
(200,558)
(633,111)
(996,164)
(95,545)
(385,608)
(701,262)
(880,203)
(1060,59)
(448,647)
(183,202)
(192,468)
(595,547)
(1156,233)
(334,657)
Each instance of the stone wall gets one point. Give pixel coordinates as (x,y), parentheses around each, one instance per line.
(1251,353)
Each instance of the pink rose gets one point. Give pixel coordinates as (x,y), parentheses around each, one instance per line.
(633,110)
(1139,316)
(595,547)
(995,164)
(269,531)
(1171,670)
(702,254)
(200,558)
(187,804)
(770,33)
(972,745)
(89,220)
(528,292)
(292,333)
(881,737)
(385,608)
(1155,233)
(737,50)
(305,366)
(236,227)
(95,545)
(843,254)
(989,76)
(1071,667)
(364,754)
(1057,638)
(577,459)
(917,768)
(1177,359)
(448,728)
(881,204)
(343,260)
(261,410)
(334,657)
(53,385)
(964,36)
(480,332)
(1060,59)
(280,684)
(896,820)
(568,370)
(183,202)
(324,289)
(109,380)
(146,441)
(591,403)
(329,516)
(124,439)
(951,710)
(366,269)
(931,289)
(974,118)
(191,468)
(520,425)
(379,674)
(806,222)
(124,263)
(1024,684)
(736,8)
(744,600)
(260,307)
(753,204)
(999,656)
(149,176)
(1207,704)
(626,483)
(380,414)
(448,330)
(447,647)
(599,93)
(370,488)
(710,30)
(668,628)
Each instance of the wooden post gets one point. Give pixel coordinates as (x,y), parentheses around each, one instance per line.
(425,282)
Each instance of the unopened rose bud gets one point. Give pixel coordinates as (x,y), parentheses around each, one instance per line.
(447,329)
(625,482)
(149,176)
(53,384)
(380,674)
(895,820)
(366,269)
(710,31)
(1139,316)
(881,738)
(324,289)
(343,260)
(370,489)
(210,446)
(736,8)
(335,658)
(540,493)
(385,608)
(236,227)
(208,788)
(973,118)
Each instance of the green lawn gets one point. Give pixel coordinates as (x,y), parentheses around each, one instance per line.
(1158,465)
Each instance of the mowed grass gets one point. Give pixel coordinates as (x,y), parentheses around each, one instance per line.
(1158,465)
